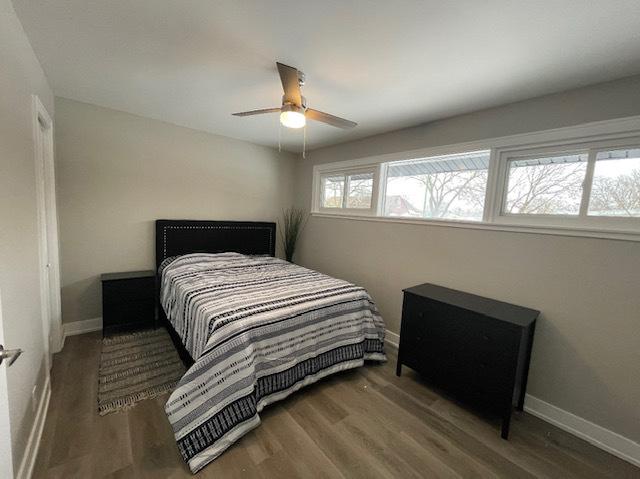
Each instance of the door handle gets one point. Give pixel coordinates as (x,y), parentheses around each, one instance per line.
(10,354)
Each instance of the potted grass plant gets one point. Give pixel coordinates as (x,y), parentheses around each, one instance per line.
(292,224)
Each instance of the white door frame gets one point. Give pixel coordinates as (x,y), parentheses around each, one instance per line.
(6,454)
(47,230)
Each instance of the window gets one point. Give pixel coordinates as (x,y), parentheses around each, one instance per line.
(586,183)
(451,186)
(332,191)
(616,184)
(550,185)
(594,187)
(359,190)
(351,190)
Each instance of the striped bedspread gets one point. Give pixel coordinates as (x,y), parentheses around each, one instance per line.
(258,328)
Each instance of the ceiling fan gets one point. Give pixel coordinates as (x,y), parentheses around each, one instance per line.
(294,111)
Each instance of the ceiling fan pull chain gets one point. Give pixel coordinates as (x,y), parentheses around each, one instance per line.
(304,142)
(279,137)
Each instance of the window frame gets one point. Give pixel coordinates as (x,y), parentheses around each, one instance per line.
(582,220)
(605,218)
(623,133)
(383,180)
(346,172)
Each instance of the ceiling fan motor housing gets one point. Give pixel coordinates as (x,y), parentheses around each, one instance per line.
(289,106)
(294,110)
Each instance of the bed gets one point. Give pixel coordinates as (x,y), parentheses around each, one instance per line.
(252,328)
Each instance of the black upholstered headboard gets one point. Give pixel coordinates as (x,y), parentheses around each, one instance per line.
(176,237)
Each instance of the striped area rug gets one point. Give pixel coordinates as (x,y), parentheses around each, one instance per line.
(136,366)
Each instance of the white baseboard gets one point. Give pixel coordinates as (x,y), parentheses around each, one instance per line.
(605,439)
(33,444)
(28,461)
(59,341)
(82,327)
(392,339)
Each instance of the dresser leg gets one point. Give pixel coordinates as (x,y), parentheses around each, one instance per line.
(525,377)
(506,423)
(399,362)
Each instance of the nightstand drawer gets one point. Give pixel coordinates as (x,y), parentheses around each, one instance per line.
(128,312)
(128,301)
(129,290)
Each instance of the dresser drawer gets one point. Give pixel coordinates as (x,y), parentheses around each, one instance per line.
(432,324)
(459,350)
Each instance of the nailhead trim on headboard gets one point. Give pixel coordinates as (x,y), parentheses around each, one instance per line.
(165,228)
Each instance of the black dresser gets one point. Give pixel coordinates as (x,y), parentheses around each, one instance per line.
(128,301)
(476,348)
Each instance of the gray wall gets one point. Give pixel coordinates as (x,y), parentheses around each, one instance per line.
(587,347)
(20,77)
(118,172)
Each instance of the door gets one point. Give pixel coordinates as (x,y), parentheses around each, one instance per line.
(48,231)
(6,457)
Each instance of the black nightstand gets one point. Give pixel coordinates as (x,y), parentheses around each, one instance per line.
(128,301)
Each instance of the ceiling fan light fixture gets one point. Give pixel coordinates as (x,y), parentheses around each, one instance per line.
(292,116)
(294,112)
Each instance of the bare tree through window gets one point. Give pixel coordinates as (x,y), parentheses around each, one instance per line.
(453,193)
(546,189)
(616,184)
(619,196)
(351,191)
(360,190)
(452,187)
(332,191)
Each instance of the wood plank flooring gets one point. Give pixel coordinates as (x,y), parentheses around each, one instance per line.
(366,423)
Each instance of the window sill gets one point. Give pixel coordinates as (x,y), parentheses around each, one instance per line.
(480,225)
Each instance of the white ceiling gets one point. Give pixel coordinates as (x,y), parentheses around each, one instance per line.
(384,64)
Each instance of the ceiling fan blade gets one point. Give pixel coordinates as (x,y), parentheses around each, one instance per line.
(329,119)
(290,83)
(256,112)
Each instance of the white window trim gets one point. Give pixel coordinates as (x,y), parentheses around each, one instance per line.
(609,134)
(582,220)
(346,171)
(383,174)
